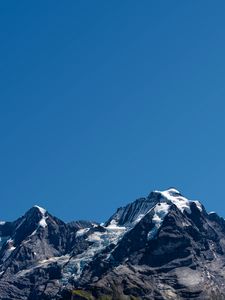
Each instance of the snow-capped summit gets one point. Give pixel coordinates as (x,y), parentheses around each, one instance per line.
(162,246)
(174,196)
(135,211)
(42,222)
(41,209)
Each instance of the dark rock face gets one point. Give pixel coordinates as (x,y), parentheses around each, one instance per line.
(128,214)
(160,247)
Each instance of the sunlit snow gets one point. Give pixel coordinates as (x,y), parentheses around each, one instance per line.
(99,240)
(42,222)
(160,211)
(10,249)
(182,203)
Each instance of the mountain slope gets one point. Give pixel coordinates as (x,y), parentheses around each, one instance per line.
(163,246)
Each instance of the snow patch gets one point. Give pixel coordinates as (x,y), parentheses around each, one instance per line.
(42,222)
(99,240)
(2,222)
(10,249)
(138,219)
(160,211)
(182,203)
(61,260)
(82,231)
(41,209)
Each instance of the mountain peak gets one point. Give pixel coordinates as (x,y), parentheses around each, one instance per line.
(41,209)
(36,217)
(44,217)
(172,191)
(173,196)
(164,237)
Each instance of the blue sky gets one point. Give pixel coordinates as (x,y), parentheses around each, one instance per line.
(103,101)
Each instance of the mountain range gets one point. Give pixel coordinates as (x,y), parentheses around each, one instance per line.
(162,246)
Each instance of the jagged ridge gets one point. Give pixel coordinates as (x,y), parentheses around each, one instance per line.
(159,247)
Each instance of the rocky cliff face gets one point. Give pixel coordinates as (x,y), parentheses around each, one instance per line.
(163,246)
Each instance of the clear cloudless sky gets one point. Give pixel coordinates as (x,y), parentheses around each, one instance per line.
(102,102)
